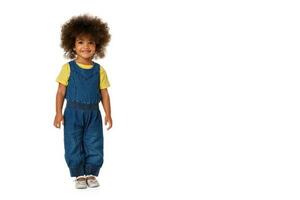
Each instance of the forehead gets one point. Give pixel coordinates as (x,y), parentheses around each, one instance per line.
(85,37)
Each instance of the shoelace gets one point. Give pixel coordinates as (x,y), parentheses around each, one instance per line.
(91,178)
(80,181)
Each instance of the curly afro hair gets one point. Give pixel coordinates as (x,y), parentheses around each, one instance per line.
(84,25)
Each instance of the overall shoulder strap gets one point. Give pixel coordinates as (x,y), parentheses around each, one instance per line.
(72,65)
(96,65)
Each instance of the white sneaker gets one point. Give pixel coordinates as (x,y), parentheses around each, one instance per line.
(92,181)
(80,182)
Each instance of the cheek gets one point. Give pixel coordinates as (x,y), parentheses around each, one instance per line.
(77,47)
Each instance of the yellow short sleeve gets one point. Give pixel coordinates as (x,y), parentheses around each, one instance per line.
(64,75)
(104,82)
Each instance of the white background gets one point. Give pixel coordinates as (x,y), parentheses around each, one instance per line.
(204,94)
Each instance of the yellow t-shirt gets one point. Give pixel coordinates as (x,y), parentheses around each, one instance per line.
(64,75)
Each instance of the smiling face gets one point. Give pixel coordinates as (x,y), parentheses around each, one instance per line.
(85,48)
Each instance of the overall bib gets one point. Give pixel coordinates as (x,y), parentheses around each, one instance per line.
(83,132)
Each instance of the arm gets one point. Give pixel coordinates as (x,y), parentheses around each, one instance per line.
(106,107)
(60,96)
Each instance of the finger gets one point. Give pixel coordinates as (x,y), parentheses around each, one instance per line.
(58,125)
(110,125)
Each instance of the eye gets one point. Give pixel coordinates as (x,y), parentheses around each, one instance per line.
(91,42)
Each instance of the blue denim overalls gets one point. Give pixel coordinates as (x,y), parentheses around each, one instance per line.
(83,133)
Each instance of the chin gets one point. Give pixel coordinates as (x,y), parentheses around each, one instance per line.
(87,57)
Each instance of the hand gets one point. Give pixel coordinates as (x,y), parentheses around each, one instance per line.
(109,121)
(58,119)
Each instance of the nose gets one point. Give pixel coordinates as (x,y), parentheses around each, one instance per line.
(86,44)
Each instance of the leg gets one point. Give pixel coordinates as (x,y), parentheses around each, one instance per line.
(93,143)
(73,142)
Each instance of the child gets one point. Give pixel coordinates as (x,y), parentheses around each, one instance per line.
(84,84)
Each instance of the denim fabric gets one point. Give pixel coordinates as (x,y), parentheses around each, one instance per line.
(83,141)
(83,84)
(83,131)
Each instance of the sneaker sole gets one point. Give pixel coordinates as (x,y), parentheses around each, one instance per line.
(80,188)
(93,186)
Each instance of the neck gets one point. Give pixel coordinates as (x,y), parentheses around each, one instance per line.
(84,61)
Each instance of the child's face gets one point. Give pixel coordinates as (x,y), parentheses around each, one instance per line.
(85,47)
